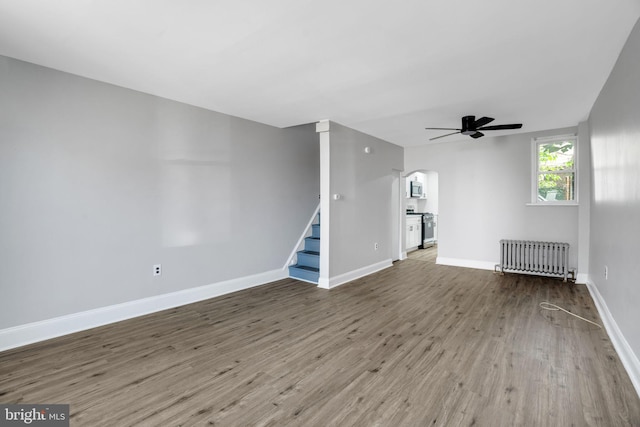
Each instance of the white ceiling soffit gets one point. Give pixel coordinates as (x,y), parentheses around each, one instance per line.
(386,68)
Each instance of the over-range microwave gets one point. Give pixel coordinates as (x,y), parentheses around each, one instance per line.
(416,189)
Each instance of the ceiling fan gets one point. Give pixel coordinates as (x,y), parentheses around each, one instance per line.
(471,127)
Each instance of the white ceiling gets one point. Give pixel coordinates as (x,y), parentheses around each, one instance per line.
(385,68)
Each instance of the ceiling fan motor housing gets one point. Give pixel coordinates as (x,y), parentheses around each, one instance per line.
(468,125)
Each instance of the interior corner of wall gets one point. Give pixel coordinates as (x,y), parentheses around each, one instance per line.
(323,126)
(582,278)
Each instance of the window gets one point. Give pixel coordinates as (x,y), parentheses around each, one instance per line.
(554,181)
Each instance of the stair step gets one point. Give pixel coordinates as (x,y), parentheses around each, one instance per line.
(312,244)
(309,259)
(315,231)
(303,272)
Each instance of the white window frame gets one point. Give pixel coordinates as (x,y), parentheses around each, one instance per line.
(535,143)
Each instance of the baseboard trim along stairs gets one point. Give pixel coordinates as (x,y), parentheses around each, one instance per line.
(307,267)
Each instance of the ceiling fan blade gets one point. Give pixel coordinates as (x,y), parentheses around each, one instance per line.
(501,127)
(442,136)
(442,129)
(482,121)
(476,135)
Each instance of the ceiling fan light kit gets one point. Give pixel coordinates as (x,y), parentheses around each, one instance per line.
(472,127)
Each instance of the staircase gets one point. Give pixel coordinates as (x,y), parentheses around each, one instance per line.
(308,265)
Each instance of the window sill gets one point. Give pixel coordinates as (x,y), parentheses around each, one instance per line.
(552,204)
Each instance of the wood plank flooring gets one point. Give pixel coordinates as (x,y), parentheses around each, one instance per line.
(413,345)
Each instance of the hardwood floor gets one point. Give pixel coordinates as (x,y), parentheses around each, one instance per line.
(413,345)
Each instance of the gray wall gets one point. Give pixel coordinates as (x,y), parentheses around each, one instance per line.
(364,215)
(98,183)
(615,202)
(484,186)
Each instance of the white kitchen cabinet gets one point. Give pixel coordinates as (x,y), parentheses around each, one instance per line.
(414,231)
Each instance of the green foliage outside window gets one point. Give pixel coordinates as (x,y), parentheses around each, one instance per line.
(556,171)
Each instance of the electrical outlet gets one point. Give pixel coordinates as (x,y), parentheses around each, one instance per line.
(376,246)
(606,272)
(157,270)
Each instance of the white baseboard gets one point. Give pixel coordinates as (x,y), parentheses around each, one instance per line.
(582,278)
(627,356)
(468,263)
(323,283)
(341,279)
(18,336)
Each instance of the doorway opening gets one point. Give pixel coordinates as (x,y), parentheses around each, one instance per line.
(421,215)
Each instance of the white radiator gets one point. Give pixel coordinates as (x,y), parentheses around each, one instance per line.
(538,258)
